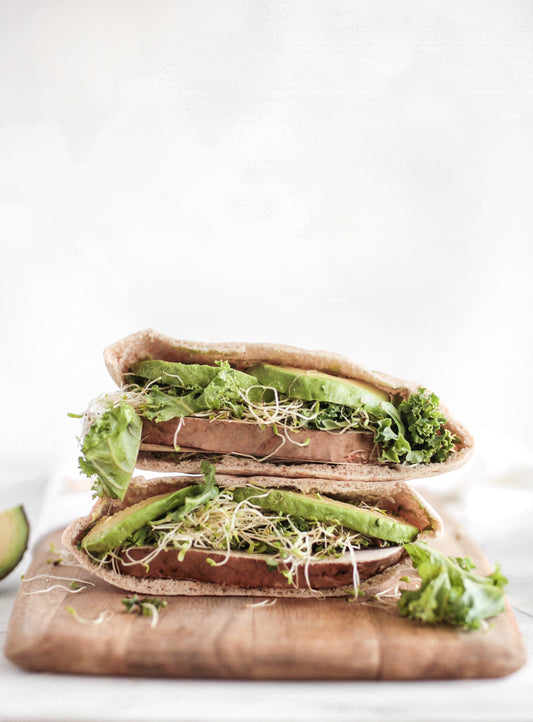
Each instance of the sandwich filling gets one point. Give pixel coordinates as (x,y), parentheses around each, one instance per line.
(288,402)
(286,530)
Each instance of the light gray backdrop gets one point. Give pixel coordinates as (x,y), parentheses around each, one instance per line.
(354,176)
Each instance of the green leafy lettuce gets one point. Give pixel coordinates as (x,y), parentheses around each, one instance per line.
(450,592)
(110,449)
(144,606)
(193,388)
(210,491)
(198,496)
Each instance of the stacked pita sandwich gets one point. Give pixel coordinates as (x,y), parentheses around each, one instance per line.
(282,472)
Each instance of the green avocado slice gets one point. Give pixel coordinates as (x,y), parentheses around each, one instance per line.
(14,534)
(311,385)
(111,531)
(365,521)
(199,387)
(172,373)
(182,375)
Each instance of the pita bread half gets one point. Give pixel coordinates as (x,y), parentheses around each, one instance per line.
(391,562)
(121,356)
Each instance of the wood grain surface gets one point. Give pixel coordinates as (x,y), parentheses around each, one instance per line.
(243,638)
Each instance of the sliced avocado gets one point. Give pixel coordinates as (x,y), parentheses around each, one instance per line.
(199,387)
(172,373)
(111,531)
(310,385)
(365,521)
(14,534)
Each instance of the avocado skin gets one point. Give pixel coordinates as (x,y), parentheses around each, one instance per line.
(110,532)
(311,385)
(365,521)
(14,535)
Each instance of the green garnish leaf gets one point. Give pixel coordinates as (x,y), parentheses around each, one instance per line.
(110,449)
(450,592)
(465,563)
(145,606)
(194,388)
(139,605)
(209,492)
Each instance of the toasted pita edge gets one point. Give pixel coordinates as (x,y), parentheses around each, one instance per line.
(338,474)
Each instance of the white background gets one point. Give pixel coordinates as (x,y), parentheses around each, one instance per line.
(352,176)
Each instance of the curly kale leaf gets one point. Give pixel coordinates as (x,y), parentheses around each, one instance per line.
(110,449)
(408,431)
(450,592)
(425,423)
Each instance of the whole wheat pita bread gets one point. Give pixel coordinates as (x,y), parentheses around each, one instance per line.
(395,498)
(121,356)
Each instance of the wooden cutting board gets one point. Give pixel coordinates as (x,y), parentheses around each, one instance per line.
(243,638)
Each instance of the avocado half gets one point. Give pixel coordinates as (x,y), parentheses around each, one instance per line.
(14,535)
